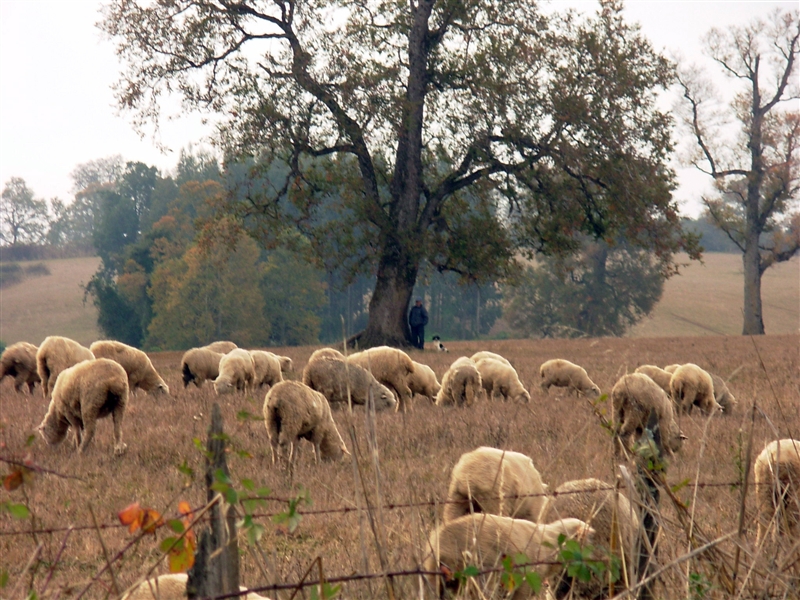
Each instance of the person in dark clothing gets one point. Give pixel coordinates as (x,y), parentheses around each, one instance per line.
(417,319)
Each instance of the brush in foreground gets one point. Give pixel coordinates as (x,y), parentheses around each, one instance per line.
(171,587)
(84,393)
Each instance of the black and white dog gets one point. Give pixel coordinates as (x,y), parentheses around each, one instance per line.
(438,345)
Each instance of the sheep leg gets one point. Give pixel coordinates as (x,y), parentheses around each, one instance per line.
(117,415)
(89,425)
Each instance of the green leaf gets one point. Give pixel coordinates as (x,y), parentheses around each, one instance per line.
(176,525)
(18,511)
(248,484)
(186,470)
(30,439)
(534,580)
(3,578)
(679,486)
(471,571)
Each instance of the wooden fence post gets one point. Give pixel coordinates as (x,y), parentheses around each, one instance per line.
(216,567)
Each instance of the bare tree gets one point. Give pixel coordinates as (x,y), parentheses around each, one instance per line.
(23,218)
(756,174)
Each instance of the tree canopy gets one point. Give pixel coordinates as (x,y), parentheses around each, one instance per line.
(456,132)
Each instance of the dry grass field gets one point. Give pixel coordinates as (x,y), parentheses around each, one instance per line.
(415,454)
(50,305)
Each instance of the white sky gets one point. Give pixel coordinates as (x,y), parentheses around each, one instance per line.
(57,109)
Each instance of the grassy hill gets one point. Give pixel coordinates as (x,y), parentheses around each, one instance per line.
(50,304)
(705,299)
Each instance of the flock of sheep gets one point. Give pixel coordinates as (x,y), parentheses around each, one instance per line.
(497,503)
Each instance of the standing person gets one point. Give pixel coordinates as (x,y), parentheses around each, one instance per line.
(417,319)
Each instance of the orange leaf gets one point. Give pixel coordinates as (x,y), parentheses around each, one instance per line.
(131,516)
(13,480)
(151,521)
(184,508)
(181,559)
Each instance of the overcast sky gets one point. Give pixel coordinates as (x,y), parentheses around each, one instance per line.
(57,109)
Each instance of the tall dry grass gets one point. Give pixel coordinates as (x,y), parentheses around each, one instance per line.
(414,455)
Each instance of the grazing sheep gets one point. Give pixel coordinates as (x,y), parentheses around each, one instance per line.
(236,372)
(461,384)
(141,373)
(777,482)
(562,373)
(292,411)
(327,353)
(423,382)
(390,366)
(671,368)
(483,540)
(632,399)
(657,374)
(267,369)
(497,482)
(614,521)
(723,395)
(19,361)
(171,587)
(500,379)
(199,365)
(286,364)
(692,386)
(486,354)
(56,354)
(221,347)
(83,393)
(330,377)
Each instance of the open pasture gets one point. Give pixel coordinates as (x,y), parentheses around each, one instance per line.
(415,454)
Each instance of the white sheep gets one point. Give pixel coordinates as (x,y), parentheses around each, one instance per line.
(423,382)
(562,373)
(236,372)
(141,373)
(19,361)
(633,397)
(483,540)
(777,482)
(55,354)
(723,395)
(334,377)
(199,365)
(267,369)
(221,347)
(171,586)
(657,374)
(494,481)
(692,386)
(84,393)
(614,520)
(392,367)
(461,384)
(499,379)
(486,354)
(292,411)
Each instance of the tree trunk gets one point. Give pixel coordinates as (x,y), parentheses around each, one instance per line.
(753,321)
(388,307)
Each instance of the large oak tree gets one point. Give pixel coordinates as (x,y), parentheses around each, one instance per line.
(757,174)
(457,132)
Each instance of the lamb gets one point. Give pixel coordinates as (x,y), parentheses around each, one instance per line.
(461,384)
(292,411)
(632,399)
(221,347)
(330,377)
(236,372)
(614,520)
(19,361)
(500,379)
(486,354)
(392,367)
(723,395)
(657,374)
(423,382)
(170,587)
(267,369)
(199,365)
(83,393)
(692,386)
(497,482)
(562,373)
(141,373)
(483,540)
(56,354)
(777,482)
